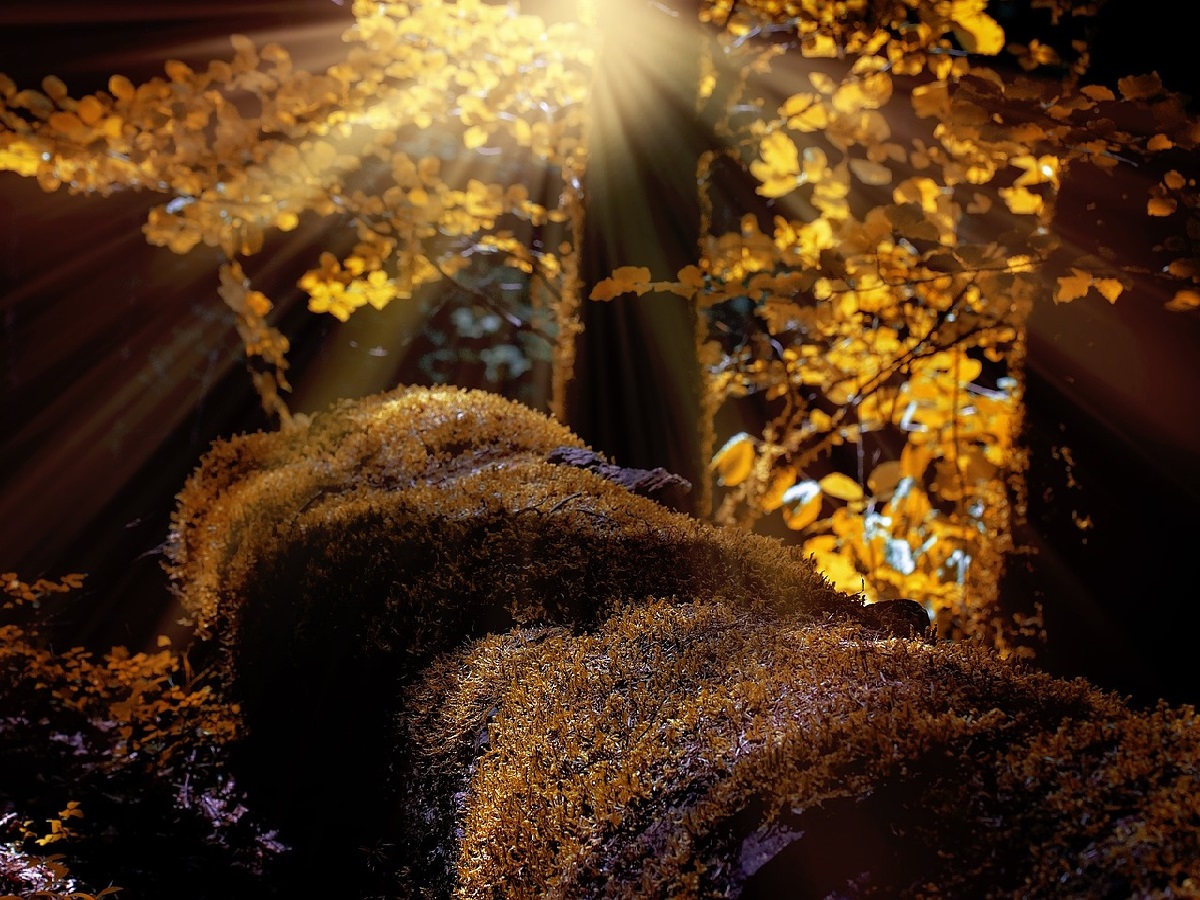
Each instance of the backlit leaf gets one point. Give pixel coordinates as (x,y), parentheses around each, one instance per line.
(801,504)
(474,137)
(121,88)
(1109,288)
(1161,206)
(870,172)
(1185,299)
(781,481)
(1140,87)
(1073,286)
(841,486)
(734,461)
(1021,201)
(779,166)
(977,31)
(884,478)
(624,279)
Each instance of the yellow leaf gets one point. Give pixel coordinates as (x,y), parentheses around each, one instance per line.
(90,110)
(819,46)
(622,281)
(178,71)
(884,477)
(798,104)
(1140,87)
(837,484)
(1073,286)
(121,88)
(1160,206)
(779,166)
(20,157)
(1160,142)
(66,122)
(812,118)
(1184,268)
(840,571)
(34,101)
(805,112)
(1110,288)
(692,277)
(870,172)
(474,137)
(241,43)
(1183,300)
(968,369)
(781,481)
(924,191)
(977,31)
(914,460)
(734,461)
(822,82)
(801,503)
(1098,93)
(522,132)
(55,87)
(1021,201)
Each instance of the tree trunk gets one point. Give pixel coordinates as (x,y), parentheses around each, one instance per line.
(635,393)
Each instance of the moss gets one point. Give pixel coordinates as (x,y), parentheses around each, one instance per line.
(391,529)
(332,560)
(253,488)
(705,751)
(529,681)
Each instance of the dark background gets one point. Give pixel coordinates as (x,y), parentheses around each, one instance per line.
(118,366)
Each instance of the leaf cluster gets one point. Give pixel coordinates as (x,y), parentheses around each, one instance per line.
(112,761)
(873,301)
(252,144)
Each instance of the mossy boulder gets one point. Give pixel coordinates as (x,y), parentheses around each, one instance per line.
(471,668)
(389,529)
(330,561)
(700,750)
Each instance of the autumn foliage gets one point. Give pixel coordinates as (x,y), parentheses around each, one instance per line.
(112,762)
(865,287)
(873,296)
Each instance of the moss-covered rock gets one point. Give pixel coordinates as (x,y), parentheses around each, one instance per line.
(332,560)
(704,751)
(475,671)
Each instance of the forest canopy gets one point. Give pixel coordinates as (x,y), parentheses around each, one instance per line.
(866,288)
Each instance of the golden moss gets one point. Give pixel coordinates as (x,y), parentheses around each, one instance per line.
(705,751)
(409,521)
(331,561)
(723,723)
(389,442)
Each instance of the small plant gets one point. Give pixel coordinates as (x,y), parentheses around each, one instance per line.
(108,760)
